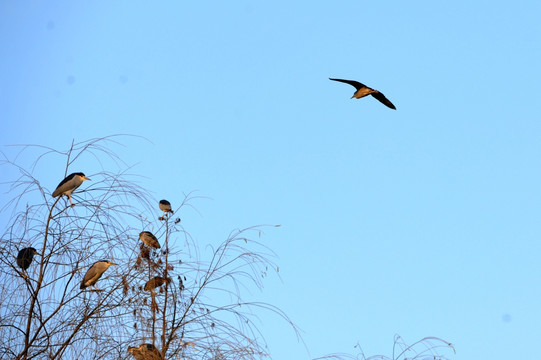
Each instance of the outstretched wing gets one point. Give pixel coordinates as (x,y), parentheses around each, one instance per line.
(383,100)
(354,83)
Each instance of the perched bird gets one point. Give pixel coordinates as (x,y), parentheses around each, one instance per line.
(165,206)
(149,239)
(363,90)
(145,352)
(69,184)
(25,256)
(155,282)
(95,272)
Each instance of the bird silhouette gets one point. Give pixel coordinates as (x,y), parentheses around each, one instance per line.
(363,90)
(25,256)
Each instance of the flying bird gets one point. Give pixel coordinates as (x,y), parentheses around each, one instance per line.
(25,256)
(165,206)
(363,90)
(69,184)
(95,272)
(149,239)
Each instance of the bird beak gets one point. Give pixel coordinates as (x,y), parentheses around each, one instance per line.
(112,264)
(352,96)
(86,178)
(36,252)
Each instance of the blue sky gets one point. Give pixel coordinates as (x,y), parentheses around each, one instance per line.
(422,221)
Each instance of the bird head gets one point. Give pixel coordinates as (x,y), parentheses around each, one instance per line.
(107,262)
(83,177)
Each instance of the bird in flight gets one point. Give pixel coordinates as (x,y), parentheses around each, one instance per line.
(363,90)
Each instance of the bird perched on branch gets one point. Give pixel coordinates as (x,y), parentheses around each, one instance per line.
(25,256)
(69,184)
(363,90)
(165,206)
(95,272)
(149,239)
(145,352)
(155,282)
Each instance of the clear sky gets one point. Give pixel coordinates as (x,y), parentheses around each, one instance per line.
(422,221)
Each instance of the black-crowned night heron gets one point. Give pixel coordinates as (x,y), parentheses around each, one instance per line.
(69,184)
(155,282)
(145,352)
(149,239)
(95,272)
(165,206)
(363,90)
(25,256)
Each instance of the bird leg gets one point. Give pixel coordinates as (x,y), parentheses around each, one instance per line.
(95,288)
(71,202)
